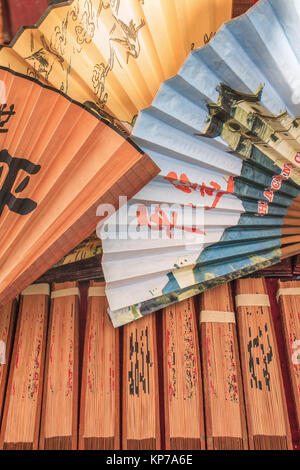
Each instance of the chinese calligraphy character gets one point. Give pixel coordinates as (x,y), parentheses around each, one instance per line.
(260,356)
(159,221)
(20,206)
(140,363)
(184,184)
(7,114)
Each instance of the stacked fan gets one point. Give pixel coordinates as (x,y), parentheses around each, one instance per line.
(59,160)
(223,131)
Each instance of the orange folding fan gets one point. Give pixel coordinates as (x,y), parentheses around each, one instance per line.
(58,162)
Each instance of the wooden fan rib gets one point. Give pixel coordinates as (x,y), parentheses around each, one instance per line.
(290,230)
(60,397)
(291,213)
(100,395)
(184,418)
(21,418)
(267,419)
(141,427)
(294,222)
(291,250)
(295,239)
(223,391)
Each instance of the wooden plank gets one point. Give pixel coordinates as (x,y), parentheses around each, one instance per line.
(141,427)
(60,399)
(100,390)
(184,415)
(267,419)
(223,390)
(21,418)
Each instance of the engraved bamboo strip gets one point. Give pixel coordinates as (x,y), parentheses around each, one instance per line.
(223,390)
(7,319)
(267,420)
(100,391)
(21,418)
(184,419)
(141,428)
(60,399)
(290,308)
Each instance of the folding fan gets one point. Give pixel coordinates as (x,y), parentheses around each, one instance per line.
(114,54)
(225,134)
(58,162)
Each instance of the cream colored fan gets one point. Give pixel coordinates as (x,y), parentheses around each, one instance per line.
(114,54)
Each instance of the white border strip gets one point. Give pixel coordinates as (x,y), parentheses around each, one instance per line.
(252,300)
(65,292)
(214,316)
(37,289)
(96,291)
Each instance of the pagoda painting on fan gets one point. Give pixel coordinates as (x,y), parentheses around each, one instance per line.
(225,134)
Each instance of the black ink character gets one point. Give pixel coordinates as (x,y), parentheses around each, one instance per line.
(20,206)
(6,114)
(208,37)
(259,359)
